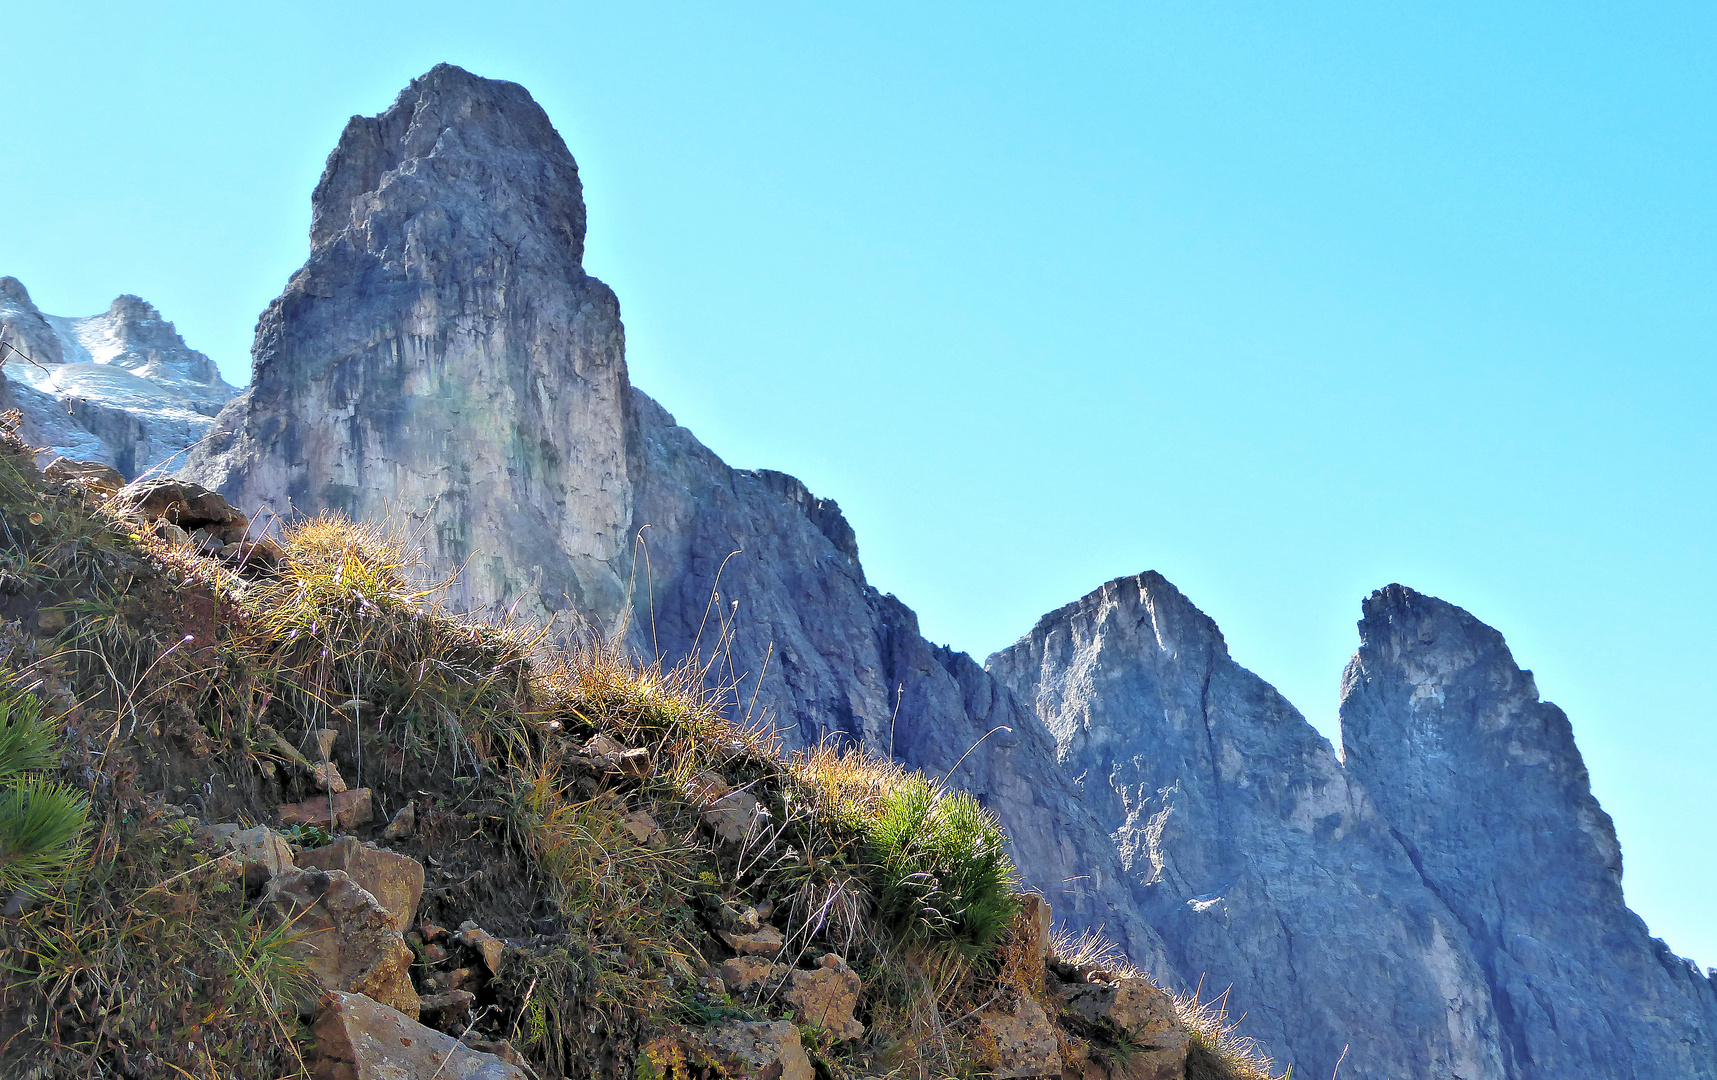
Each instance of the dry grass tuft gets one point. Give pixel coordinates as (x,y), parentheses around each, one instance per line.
(1218,1051)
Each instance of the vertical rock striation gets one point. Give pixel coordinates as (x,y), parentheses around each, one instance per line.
(1485,788)
(442,358)
(121,388)
(1266,869)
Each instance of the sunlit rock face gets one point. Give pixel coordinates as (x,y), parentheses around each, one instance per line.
(121,387)
(444,361)
(1264,866)
(442,356)
(1484,786)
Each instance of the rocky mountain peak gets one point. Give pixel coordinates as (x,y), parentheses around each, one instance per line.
(418,174)
(1481,782)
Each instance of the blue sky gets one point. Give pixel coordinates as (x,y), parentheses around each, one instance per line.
(1285,303)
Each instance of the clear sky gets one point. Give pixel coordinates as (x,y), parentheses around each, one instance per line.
(1285,301)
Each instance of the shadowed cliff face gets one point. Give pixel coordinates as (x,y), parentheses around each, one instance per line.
(442,358)
(1486,789)
(1262,864)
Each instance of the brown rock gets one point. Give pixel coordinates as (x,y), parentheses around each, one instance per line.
(766,941)
(404,823)
(745,972)
(432,932)
(187,505)
(359,1039)
(447,1011)
(326,738)
(492,948)
(1138,1011)
(1023,1044)
(827,997)
(736,1050)
(348,810)
(99,478)
(346,937)
(393,879)
(642,828)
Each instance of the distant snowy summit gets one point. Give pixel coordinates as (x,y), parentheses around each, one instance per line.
(121,387)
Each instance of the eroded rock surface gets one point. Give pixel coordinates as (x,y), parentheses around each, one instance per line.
(346,937)
(1484,786)
(443,357)
(1263,865)
(360,1039)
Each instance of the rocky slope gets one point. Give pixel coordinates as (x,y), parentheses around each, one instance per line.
(121,388)
(1484,788)
(443,358)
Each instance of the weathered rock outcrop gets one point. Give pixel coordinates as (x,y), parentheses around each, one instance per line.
(442,357)
(1263,865)
(121,388)
(1482,783)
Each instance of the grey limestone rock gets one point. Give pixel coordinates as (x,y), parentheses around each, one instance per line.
(1264,867)
(121,388)
(442,360)
(1484,786)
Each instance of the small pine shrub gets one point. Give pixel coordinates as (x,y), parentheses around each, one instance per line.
(41,822)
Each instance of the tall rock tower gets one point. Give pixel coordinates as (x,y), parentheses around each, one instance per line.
(443,358)
(1484,786)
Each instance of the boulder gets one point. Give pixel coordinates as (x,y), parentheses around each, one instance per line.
(766,941)
(259,853)
(179,502)
(1019,1043)
(346,938)
(344,811)
(395,880)
(99,478)
(826,997)
(744,973)
(361,1039)
(736,1050)
(1134,1010)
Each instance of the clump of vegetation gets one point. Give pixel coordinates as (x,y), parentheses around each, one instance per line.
(182,690)
(1216,1049)
(42,821)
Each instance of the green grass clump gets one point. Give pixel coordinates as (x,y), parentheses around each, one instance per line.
(942,872)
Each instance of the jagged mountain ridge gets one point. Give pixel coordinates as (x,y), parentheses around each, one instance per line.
(444,357)
(121,387)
